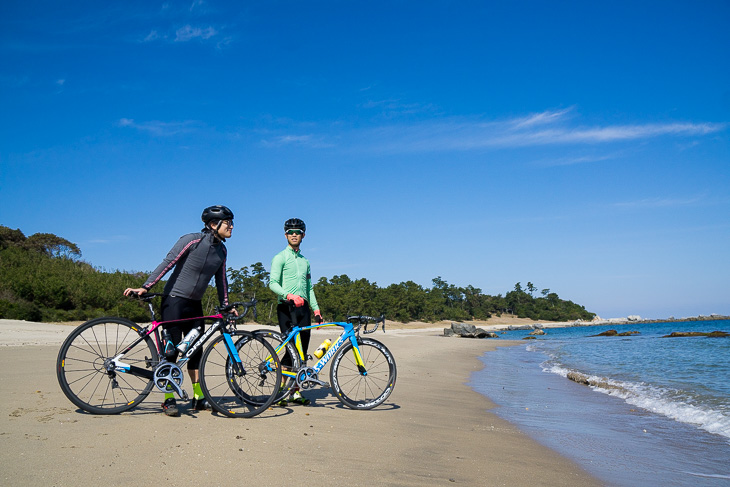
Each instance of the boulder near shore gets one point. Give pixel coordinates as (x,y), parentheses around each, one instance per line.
(467,331)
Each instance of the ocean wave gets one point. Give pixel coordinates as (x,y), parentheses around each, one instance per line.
(708,475)
(669,403)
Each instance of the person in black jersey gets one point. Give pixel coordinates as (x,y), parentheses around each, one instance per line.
(194,260)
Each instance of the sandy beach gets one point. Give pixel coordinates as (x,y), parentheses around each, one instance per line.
(433,430)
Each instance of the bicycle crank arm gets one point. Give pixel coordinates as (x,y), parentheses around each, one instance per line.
(308,383)
(181,393)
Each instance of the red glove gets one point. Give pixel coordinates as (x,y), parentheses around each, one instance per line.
(318,316)
(298,300)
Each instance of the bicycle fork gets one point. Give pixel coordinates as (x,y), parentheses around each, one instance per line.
(358,358)
(236,365)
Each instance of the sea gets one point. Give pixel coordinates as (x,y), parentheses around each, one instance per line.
(658,414)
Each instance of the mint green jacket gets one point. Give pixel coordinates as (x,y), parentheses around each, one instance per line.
(290,274)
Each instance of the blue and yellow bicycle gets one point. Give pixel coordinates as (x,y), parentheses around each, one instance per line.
(363,370)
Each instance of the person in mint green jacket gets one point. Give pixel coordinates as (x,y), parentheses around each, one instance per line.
(291,279)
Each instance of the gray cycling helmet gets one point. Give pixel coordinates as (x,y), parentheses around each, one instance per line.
(295,224)
(217,212)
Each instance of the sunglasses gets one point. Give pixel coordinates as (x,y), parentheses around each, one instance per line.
(294,232)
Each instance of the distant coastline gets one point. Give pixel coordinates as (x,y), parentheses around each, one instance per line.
(633,320)
(513,323)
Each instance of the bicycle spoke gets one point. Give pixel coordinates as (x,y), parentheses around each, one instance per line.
(363,390)
(82,371)
(237,395)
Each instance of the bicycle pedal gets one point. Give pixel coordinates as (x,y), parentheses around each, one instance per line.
(148,362)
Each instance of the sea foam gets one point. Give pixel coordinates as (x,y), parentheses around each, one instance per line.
(657,400)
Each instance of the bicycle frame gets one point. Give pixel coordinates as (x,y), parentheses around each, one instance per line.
(347,334)
(363,370)
(153,328)
(117,365)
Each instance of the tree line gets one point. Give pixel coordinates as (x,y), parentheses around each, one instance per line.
(42,278)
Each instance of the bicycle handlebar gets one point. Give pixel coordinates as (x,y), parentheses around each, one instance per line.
(364,320)
(361,319)
(246,306)
(291,303)
(147,297)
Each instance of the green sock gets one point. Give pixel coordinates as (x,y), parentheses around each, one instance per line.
(169,395)
(197,391)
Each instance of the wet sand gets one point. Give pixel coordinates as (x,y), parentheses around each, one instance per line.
(433,430)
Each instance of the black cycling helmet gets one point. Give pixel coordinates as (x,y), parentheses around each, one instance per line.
(217,212)
(295,224)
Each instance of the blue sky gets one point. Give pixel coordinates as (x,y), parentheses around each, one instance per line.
(581,146)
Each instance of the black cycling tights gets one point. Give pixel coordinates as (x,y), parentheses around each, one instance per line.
(290,316)
(176,308)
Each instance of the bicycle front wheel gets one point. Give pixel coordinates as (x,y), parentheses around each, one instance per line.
(366,388)
(287,355)
(82,372)
(240,395)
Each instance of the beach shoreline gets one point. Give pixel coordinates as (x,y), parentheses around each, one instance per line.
(433,430)
(634,410)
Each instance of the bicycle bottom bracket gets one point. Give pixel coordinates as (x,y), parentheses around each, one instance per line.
(168,377)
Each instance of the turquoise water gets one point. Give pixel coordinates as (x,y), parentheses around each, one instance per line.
(661,415)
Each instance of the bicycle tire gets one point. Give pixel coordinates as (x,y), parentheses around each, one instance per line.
(80,366)
(358,391)
(276,338)
(240,396)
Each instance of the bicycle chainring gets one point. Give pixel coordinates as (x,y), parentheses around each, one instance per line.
(168,378)
(307,378)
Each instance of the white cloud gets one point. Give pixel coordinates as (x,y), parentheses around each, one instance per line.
(395,107)
(541,118)
(629,132)
(569,161)
(109,240)
(300,140)
(188,33)
(152,36)
(556,128)
(659,202)
(158,128)
(546,128)
(197,4)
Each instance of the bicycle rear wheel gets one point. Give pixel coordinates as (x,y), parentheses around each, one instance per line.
(246,395)
(363,389)
(290,351)
(81,370)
